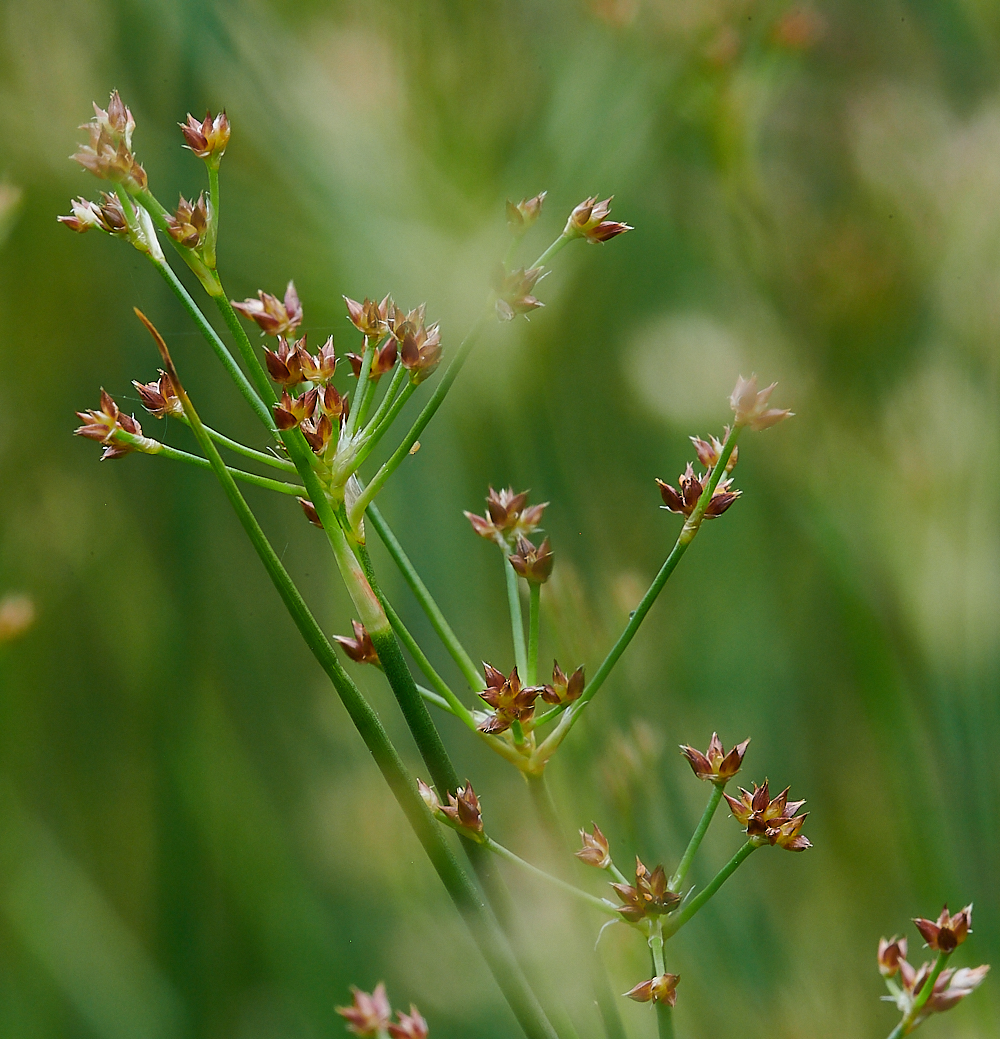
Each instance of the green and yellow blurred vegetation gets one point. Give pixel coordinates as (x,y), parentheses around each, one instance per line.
(193,841)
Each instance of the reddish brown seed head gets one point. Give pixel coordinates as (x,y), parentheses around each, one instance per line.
(522,215)
(104,423)
(595,850)
(359,648)
(419,347)
(409,1026)
(948,932)
(690,486)
(188,225)
(587,221)
(533,564)
(284,365)
(770,819)
(369,1014)
(208,138)
(273,316)
(563,689)
(319,367)
(890,952)
(159,398)
(463,809)
(661,989)
(510,700)
(709,451)
(507,516)
(371,319)
(715,765)
(648,896)
(108,153)
(514,292)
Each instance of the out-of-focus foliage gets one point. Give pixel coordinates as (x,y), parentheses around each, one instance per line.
(192,839)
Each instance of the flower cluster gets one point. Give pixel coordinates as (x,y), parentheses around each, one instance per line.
(511,701)
(533,563)
(188,224)
(587,221)
(462,810)
(750,405)
(949,987)
(207,139)
(273,316)
(648,896)
(359,648)
(407,337)
(595,851)
(684,498)
(514,292)
(105,426)
(370,1016)
(508,517)
(522,215)
(107,216)
(160,398)
(563,689)
(770,819)
(108,153)
(661,989)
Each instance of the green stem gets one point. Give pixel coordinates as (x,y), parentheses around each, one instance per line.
(688,531)
(247,352)
(584,896)
(664,1021)
(490,940)
(378,431)
(428,412)
(166,451)
(897,1032)
(213,224)
(563,240)
(925,992)
(389,396)
(426,600)
(534,592)
(363,388)
(516,619)
(248,452)
(696,838)
(677,920)
(221,350)
(431,697)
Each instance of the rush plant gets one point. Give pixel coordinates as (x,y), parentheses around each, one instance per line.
(318,433)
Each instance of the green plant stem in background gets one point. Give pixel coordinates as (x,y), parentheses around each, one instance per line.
(534,595)
(426,600)
(491,941)
(688,531)
(516,618)
(582,896)
(431,697)
(166,451)
(696,838)
(677,920)
(221,350)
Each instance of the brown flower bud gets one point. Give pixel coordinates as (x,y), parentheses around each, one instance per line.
(509,699)
(383,360)
(563,689)
(207,139)
(17,614)
(160,398)
(890,952)
(189,223)
(715,765)
(507,517)
(369,1015)
(284,365)
(948,933)
(648,896)
(709,451)
(317,430)
(533,564)
(514,292)
(359,648)
(310,512)
(290,412)
(419,348)
(662,989)
(371,319)
(103,424)
(108,154)
(521,216)
(108,216)
(463,809)
(691,486)
(317,367)
(950,988)
(409,1026)
(274,317)
(772,820)
(750,405)
(587,221)
(595,850)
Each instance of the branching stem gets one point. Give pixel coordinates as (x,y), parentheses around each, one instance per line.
(696,838)
(677,920)
(516,618)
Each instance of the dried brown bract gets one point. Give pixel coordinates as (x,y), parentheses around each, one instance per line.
(948,932)
(690,487)
(648,896)
(715,765)
(661,989)
(595,850)
(563,689)
(514,292)
(522,215)
(750,405)
(207,139)
(103,424)
(773,820)
(188,225)
(507,516)
(359,648)
(533,564)
(369,1013)
(463,809)
(274,316)
(587,221)
(509,699)
(159,398)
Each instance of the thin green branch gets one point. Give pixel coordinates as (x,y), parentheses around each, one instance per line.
(677,920)
(378,431)
(490,940)
(909,1018)
(389,396)
(426,600)
(431,697)
(516,619)
(696,838)
(213,203)
(248,452)
(257,374)
(583,896)
(534,594)
(688,531)
(363,389)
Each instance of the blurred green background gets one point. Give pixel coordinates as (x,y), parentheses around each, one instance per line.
(193,840)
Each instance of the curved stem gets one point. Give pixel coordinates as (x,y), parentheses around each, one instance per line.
(379,431)
(426,600)
(696,838)
(534,594)
(221,350)
(248,452)
(677,920)
(516,618)
(490,940)
(257,374)
(686,536)
(584,896)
